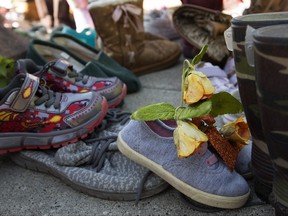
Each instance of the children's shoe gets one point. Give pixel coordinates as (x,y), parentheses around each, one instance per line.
(94,165)
(42,52)
(60,76)
(87,35)
(202,177)
(32,116)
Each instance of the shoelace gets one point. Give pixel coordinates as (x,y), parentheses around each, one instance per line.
(99,151)
(113,116)
(100,145)
(117,115)
(71,73)
(99,154)
(141,187)
(48,97)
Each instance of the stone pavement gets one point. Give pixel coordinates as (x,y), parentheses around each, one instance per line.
(25,192)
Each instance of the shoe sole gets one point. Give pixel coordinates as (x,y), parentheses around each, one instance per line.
(191,192)
(29,163)
(53,139)
(117,100)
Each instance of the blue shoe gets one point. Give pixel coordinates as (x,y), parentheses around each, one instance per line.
(87,36)
(201,177)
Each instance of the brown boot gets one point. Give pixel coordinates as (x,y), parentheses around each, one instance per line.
(120,27)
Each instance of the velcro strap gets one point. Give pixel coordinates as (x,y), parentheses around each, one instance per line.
(60,67)
(23,99)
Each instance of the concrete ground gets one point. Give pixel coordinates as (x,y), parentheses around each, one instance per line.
(25,192)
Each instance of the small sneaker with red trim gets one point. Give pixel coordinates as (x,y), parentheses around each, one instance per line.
(31,116)
(60,76)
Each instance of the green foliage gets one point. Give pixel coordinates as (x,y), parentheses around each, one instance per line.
(6,70)
(163,111)
(199,56)
(225,103)
(195,110)
(219,104)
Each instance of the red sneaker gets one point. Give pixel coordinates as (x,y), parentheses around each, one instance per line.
(60,76)
(32,116)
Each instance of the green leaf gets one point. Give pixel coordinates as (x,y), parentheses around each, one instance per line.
(161,111)
(196,110)
(225,103)
(200,55)
(6,70)
(3,83)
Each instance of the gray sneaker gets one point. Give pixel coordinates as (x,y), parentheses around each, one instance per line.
(201,177)
(95,166)
(33,116)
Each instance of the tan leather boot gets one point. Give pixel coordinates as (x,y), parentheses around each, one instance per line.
(119,24)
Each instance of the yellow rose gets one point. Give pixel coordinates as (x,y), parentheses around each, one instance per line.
(197,87)
(236,131)
(188,138)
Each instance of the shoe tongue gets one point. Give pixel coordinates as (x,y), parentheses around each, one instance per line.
(114,121)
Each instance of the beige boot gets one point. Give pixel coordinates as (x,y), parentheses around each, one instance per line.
(119,24)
